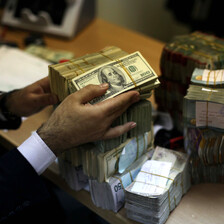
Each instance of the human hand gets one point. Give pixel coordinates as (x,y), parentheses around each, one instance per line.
(31,99)
(76,122)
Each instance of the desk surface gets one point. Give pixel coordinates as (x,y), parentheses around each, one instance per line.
(202,204)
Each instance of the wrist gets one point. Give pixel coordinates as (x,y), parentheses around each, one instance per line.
(5,106)
(50,139)
(12,120)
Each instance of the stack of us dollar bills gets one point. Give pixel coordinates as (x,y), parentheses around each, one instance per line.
(179,58)
(204,125)
(158,187)
(122,71)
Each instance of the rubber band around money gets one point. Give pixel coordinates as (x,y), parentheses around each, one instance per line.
(157,175)
(77,66)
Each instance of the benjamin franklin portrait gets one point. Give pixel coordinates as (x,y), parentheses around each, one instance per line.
(113,76)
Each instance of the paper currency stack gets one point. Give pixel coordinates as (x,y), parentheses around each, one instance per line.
(109,165)
(179,58)
(204,125)
(131,72)
(158,187)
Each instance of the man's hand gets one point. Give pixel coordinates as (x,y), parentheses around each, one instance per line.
(31,99)
(76,122)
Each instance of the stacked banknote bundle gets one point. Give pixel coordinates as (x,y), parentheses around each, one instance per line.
(110,194)
(121,70)
(206,147)
(158,187)
(179,58)
(204,125)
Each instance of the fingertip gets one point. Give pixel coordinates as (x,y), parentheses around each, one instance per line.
(136,97)
(104,85)
(132,125)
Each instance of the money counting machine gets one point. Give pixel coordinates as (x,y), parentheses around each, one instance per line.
(63,18)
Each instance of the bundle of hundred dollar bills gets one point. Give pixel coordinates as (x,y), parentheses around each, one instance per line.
(121,70)
(158,187)
(179,58)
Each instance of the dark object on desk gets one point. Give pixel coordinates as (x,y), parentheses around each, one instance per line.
(172,139)
(59,17)
(36,39)
(8,43)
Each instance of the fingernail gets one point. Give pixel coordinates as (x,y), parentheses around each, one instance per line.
(104,85)
(133,125)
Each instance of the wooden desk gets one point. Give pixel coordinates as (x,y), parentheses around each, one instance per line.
(202,204)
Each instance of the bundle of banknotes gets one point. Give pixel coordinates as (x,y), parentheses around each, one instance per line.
(158,187)
(204,107)
(100,166)
(179,58)
(206,147)
(122,71)
(110,194)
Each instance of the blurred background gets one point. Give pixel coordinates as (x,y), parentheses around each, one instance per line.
(161,19)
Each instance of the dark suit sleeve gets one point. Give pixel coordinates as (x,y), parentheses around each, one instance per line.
(20,185)
(13,123)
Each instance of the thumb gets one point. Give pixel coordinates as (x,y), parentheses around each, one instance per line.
(90,92)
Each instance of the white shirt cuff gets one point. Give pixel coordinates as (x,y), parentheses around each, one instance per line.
(37,153)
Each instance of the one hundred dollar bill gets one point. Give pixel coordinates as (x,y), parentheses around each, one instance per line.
(129,72)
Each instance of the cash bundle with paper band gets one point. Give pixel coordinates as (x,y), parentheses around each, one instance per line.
(179,58)
(121,70)
(158,187)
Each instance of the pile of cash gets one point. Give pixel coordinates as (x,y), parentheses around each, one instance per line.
(204,125)
(109,165)
(100,166)
(206,147)
(179,58)
(110,194)
(158,187)
(122,71)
